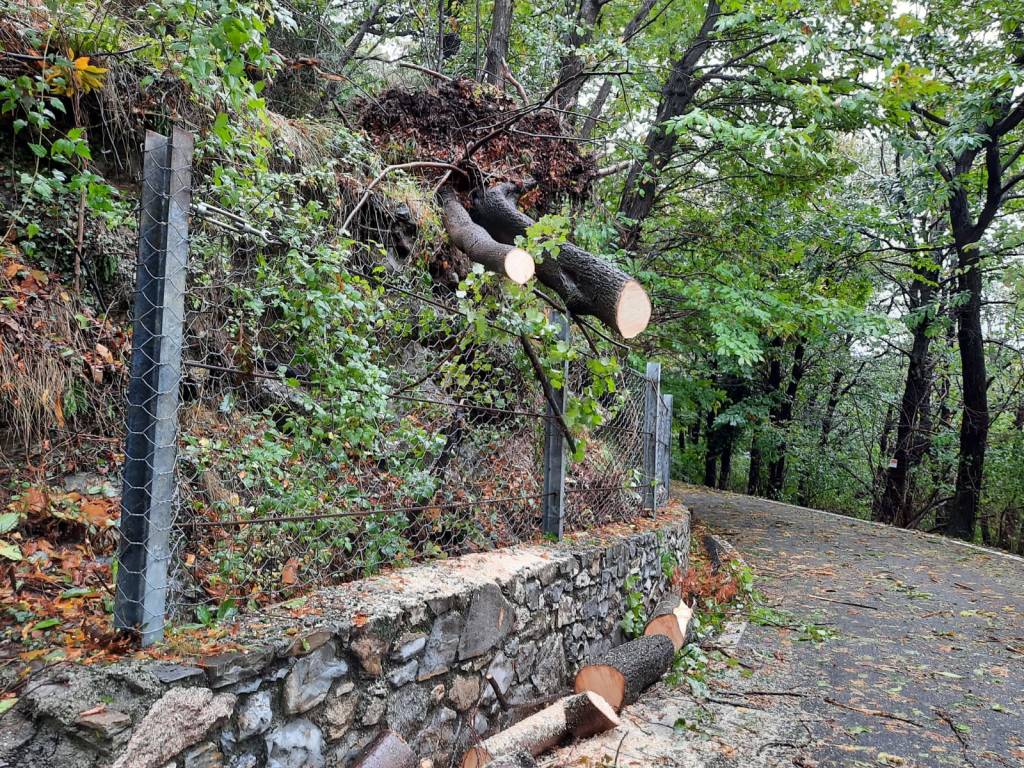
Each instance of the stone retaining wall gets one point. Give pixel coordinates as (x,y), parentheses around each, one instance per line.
(322,676)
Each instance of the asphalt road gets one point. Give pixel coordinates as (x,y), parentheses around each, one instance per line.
(926,666)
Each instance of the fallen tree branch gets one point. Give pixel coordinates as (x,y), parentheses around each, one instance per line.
(872,712)
(473,240)
(549,392)
(587,284)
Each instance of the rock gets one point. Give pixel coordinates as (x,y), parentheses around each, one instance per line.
(407,710)
(409,645)
(501,672)
(206,755)
(480,724)
(566,611)
(167,672)
(309,642)
(583,579)
(107,722)
(370,649)
(403,674)
(228,668)
(245,760)
(309,682)
(524,661)
(339,714)
(532,598)
(182,717)
(488,620)
(106,729)
(550,673)
(373,711)
(296,744)
(254,715)
(442,645)
(465,692)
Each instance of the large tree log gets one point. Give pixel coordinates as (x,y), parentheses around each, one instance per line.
(520,759)
(628,670)
(671,618)
(580,715)
(474,241)
(388,750)
(587,284)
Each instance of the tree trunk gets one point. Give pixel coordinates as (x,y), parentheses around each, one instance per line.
(571,66)
(755,485)
(581,715)
(497,43)
(962,512)
(628,670)
(777,468)
(639,192)
(671,618)
(587,284)
(470,238)
(895,505)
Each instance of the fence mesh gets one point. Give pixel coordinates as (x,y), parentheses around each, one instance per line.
(345,409)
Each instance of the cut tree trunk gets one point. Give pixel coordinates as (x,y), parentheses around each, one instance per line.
(472,239)
(671,618)
(628,670)
(581,715)
(388,750)
(587,284)
(520,759)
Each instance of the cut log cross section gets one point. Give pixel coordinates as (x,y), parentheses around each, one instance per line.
(579,716)
(671,618)
(625,672)
(587,284)
(474,241)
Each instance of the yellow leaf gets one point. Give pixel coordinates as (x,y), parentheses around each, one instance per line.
(81,63)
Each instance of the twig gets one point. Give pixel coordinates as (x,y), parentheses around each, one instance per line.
(497,692)
(948,719)
(872,712)
(549,392)
(380,177)
(618,748)
(844,602)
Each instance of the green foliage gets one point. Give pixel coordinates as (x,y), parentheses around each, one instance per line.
(634,618)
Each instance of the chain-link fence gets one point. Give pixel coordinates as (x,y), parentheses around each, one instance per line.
(300,416)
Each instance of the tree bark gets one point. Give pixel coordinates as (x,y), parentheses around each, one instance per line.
(628,670)
(581,715)
(677,95)
(777,468)
(571,66)
(497,43)
(895,505)
(470,238)
(587,284)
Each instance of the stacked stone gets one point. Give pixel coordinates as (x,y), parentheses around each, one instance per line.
(439,654)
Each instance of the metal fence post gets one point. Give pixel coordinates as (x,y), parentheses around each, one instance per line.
(652,400)
(554,448)
(148,493)
(665,445)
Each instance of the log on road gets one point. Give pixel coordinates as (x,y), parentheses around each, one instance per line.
(580,715)
(474,241)
(586,283)
(626,671)
(671,618)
